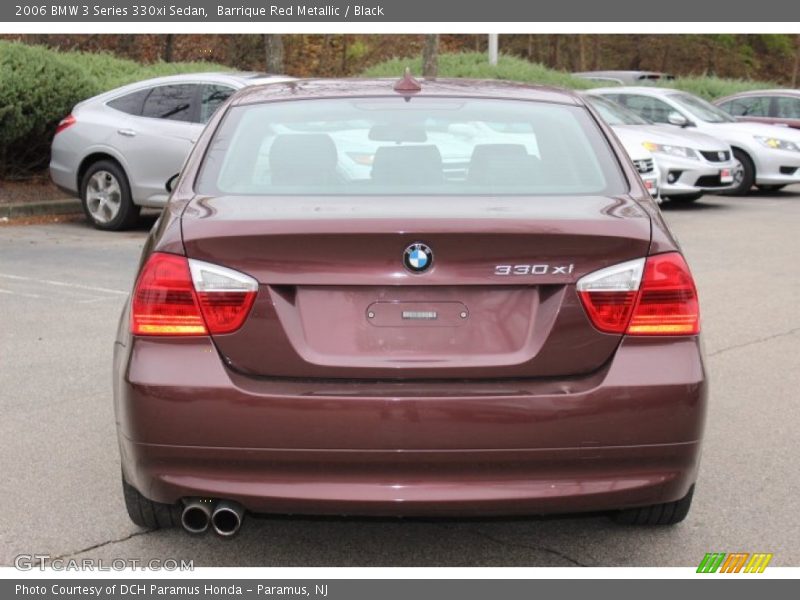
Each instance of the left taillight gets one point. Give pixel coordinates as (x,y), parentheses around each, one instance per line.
(67,121)
(178,296)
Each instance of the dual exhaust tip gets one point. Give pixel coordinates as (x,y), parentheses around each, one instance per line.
(200,515)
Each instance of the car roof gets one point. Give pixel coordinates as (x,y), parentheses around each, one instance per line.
(633,74)
(637,89)
(236,78)
(354,88)
(772,92)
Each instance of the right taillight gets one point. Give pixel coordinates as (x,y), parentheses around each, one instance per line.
(67,121)
(653,296)
(177,296)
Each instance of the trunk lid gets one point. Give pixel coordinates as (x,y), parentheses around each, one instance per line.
(336,301)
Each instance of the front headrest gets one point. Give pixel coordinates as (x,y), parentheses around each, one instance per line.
(300,159)
(409,165)
(502,164)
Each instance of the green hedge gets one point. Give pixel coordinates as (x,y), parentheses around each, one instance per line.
(717,87)
(475,65)
(38,87)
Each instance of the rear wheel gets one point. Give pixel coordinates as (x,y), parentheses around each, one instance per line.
(106,197)
(149,514)
(668,513)
(744,174)
(771,188)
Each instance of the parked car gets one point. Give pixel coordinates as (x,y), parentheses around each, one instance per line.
(690,163)
(645,164)
(625,77)
(769,155)
(408,339)
(116,151)
(778,107)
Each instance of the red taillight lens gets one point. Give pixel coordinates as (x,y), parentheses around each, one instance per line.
(179,296)
(164,301)
(656,296)
(64,123)
(225,311)
(609,311)
(667,299)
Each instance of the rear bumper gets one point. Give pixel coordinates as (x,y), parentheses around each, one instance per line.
(626,436)
(63,177)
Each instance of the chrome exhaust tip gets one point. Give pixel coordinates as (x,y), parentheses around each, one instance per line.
(196,516)
(227,519)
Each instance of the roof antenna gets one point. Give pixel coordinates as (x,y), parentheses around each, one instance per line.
(408,84)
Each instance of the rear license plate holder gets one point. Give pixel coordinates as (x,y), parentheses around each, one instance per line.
(417,314)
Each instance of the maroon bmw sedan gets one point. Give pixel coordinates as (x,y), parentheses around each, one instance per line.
(369,297)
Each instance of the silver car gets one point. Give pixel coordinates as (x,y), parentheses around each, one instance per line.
(767,155)
(117,150)
(691,163)
(625,77)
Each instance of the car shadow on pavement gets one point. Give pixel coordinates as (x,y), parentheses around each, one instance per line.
(302,541)
(698,206)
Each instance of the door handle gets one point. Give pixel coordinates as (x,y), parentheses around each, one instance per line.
(127,132)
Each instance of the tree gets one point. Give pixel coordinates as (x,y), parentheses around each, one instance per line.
(273,51)
(168,47)
(430,56)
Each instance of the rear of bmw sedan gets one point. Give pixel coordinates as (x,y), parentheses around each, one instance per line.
(408,299)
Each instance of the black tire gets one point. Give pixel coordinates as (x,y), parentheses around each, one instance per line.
(669,513)
(685,198)
(127,214)
(768,189)
(149,514)
(748,174)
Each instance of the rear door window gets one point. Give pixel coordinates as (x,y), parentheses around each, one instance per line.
(212,96)
(130,103)
(787,108)
(172,102)
(750,106)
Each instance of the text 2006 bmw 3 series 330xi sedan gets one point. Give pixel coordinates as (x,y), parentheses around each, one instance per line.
(381,297)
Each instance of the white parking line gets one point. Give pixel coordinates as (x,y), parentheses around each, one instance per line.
(13,293)
(79,286)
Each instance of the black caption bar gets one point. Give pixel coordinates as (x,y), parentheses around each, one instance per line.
(441,11)
(372,589)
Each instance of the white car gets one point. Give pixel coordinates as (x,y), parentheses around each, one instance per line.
(646,164)
(769,155)
(691,163)
(117,150)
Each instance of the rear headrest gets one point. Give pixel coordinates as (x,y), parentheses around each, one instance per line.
(502,164)
(302,159)
(411,165)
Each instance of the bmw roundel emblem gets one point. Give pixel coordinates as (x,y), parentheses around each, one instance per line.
(418,257)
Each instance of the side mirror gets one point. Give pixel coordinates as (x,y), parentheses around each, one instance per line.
(171,182)
(676,118)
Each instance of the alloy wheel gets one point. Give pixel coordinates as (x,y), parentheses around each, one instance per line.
(103,196)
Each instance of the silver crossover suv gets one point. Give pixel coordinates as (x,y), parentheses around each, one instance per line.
(117,150)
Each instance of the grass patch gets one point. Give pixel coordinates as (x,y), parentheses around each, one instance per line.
(474,65)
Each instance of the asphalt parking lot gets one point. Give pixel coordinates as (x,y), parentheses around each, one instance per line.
(61,290)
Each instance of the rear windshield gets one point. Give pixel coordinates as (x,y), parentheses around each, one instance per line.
(430,146)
